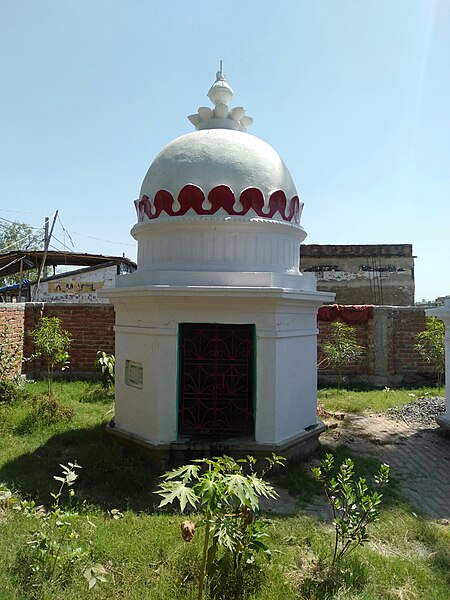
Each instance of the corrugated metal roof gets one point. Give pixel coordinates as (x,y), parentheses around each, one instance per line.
(10,262)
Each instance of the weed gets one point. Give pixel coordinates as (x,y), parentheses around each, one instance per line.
(9,355)
(106,363)
(49,410)
(54,548)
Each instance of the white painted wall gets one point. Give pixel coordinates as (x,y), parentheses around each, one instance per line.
(147,332)
(77,287)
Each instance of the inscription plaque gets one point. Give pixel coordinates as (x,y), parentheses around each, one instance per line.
(134,374)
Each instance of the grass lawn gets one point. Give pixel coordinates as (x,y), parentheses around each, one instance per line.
(140,547)
(359,402)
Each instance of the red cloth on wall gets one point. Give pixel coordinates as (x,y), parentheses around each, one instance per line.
(353,315)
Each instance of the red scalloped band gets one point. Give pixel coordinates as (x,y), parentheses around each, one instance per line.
(221,197)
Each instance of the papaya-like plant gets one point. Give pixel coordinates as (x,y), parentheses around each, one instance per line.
(226,493)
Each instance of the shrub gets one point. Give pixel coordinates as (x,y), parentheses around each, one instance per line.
(354,505)
(342,349)
(430,345)
(52,343)
(49,410)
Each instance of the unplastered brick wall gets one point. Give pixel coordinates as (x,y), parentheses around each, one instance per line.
(91,326)
(388,339)
(404,327)
(11,336)
(364,337)
(389,356)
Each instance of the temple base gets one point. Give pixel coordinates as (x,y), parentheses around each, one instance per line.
(163,456)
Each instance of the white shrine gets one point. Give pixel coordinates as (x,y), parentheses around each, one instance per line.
(216,331)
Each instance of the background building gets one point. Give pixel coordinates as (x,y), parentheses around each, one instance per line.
(381,274)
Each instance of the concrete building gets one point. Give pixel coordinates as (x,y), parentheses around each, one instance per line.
(77,285)
(80,285)
(381,274)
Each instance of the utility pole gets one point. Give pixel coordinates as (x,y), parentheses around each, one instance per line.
(46,243)
(41,268)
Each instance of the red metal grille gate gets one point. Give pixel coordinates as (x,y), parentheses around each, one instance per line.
(216,379)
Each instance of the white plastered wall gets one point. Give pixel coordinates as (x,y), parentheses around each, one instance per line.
(147,333)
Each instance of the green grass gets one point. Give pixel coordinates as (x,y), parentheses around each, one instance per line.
(359,402)
(408,556)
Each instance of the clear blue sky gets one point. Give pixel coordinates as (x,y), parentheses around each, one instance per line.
(353,94)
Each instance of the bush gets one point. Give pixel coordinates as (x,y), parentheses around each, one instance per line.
(430,345)
(354,505)
(342,349)
(49,410)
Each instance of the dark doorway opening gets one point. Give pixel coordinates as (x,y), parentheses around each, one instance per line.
(216,380)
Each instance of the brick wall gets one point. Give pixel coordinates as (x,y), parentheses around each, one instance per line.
(92,328)
(388,339)
(11,336)
(402,358)
(389,357)
(364,337)
(381,274)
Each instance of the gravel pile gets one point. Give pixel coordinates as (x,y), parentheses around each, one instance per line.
(422,411)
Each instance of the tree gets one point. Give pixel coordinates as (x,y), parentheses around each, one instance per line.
(430,345)
(52,343)
(18,236)
(342,349)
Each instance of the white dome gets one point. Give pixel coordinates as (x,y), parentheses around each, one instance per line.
(218,202)
(212,157)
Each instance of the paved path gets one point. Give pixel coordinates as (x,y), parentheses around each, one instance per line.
(419,459)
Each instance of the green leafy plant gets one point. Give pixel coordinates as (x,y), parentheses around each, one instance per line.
(354,506)
(341,350)
(52,343)
(55,546)
(227,498)
(106,363)
(430,345)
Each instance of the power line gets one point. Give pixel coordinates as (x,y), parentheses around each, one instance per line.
(21,212)
(101,240)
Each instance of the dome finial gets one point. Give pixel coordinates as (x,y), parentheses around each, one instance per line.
(220,76)
(220,117)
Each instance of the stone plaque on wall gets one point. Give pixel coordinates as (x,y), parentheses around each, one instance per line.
(134,374)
